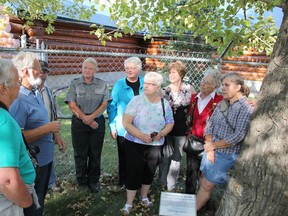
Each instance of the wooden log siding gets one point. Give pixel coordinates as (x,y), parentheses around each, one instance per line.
(65,64)
(74,35)
(70,35)
(153,48)
(249,72)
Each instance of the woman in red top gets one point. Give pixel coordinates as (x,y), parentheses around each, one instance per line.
(201,108)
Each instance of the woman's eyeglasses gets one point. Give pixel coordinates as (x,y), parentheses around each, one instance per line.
(131,68)
(149,84)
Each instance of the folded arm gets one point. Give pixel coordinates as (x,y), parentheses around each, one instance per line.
(13,187)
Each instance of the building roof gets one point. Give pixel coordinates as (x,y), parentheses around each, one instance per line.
(99,18)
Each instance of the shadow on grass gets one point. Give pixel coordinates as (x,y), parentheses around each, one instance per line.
(111,199)
(107,202)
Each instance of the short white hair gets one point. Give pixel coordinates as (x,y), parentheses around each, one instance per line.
(156,77)
(7,73)
(24,60)
(215,74)
(92,61)
(134,60)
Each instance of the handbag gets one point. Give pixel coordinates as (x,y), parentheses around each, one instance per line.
(194,146)
(167,148)
(32,152)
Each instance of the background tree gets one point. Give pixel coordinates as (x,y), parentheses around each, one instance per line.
(259,180)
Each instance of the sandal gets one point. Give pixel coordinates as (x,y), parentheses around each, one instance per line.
(146,202)
(126,209)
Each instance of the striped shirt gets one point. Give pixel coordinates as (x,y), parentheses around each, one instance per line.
(238,114)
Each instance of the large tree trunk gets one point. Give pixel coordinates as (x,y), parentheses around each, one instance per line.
(259,180)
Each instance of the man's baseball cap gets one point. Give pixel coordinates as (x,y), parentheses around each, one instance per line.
(44,66)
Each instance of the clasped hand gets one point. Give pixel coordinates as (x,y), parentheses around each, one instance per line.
(209,149)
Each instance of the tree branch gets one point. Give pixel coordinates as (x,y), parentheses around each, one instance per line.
(270,1)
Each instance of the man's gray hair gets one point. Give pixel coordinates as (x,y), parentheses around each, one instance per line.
(92,61)
(215,74)
(7,75)
(156,77)
(134,60)
(24,60)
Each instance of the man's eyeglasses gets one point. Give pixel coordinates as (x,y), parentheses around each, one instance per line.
(35,68)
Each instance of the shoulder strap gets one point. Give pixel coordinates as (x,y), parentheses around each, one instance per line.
(225,114)
(52,103)
(163,107)
(2,105)
(228,123)
(26,144)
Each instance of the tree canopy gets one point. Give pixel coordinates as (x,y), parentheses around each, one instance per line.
(217,21)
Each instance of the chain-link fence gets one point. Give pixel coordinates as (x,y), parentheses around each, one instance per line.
(65,65)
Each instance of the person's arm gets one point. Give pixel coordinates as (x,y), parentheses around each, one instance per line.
(36,133)
(81,115)
(13,187)
(166,130)
(76,110)
(87,119)
(131,129)
(211,146)
(60,142)
(112,110)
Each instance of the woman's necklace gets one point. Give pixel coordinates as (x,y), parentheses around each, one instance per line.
(174,99)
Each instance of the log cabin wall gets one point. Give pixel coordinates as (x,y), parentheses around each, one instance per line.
(75,35)
(252,65)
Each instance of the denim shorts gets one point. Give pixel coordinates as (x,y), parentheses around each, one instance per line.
(217,173)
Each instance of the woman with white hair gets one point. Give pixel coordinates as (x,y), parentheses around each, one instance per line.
(147,119)
(201,108)
(16,168)
(123,91)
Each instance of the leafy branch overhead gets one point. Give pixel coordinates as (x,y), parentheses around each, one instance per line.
(216,21)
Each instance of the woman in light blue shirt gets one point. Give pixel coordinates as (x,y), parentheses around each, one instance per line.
(123,91)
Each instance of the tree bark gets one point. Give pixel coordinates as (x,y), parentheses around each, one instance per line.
(259,179)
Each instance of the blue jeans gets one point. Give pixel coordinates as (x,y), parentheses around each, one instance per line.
(217,173)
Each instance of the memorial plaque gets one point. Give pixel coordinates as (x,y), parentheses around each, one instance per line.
(177,204)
